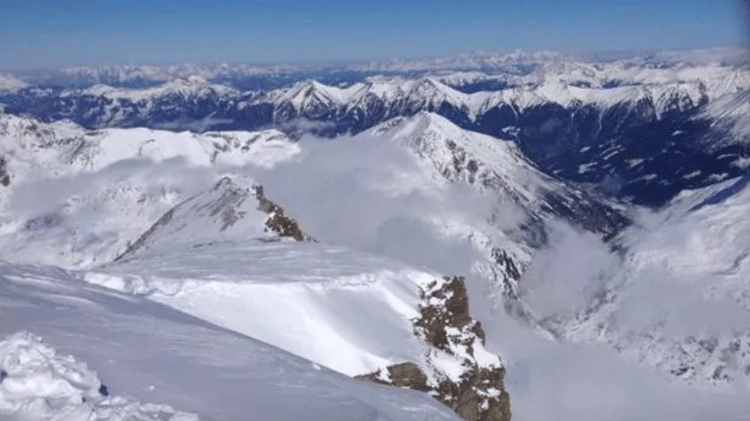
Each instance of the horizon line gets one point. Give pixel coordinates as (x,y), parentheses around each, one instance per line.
(323,64)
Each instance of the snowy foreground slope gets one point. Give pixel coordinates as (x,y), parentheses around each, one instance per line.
(150,353)
(351,312)
(37,383)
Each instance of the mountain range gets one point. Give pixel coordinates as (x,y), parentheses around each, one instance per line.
(638,129)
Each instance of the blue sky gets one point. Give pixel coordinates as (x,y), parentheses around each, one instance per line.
(58,33)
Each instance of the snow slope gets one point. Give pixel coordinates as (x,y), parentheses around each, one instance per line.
(299,297)
(150,353)
(731,112)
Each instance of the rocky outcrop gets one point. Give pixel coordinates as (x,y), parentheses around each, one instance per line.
(277,222)
(453,339)
(4,176)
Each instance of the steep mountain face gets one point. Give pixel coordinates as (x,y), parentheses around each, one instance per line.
(636,129)
(496,169)
(498,166)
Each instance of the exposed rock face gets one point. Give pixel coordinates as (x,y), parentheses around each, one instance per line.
(4,176)
(277,222)
(453,338)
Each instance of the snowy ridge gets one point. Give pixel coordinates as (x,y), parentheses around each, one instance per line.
(67,143)
(519,61)
(565,83)
(37,383)
(309,98)
(466,156)
(189,88)
(508,63)
(580,120)
(195,219)
(128,73)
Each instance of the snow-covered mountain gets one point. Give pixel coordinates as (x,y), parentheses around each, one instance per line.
(636,127)
(689,255)
(517,63)
(86,194)
(729,118)
(499,171)
(602,86)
